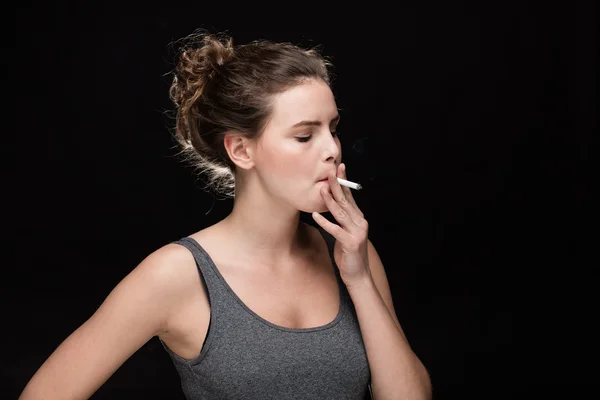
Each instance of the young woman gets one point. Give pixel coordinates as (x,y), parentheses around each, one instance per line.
(259,305)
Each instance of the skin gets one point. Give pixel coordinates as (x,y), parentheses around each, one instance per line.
(277,175)
(163,296)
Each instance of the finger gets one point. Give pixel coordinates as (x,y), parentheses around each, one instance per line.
(336,188)
(339,213)
(348,193)
(336,231)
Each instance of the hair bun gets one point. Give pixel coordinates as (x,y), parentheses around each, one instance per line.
(202,56)
(212,50)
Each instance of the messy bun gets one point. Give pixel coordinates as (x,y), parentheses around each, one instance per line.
(197,66)
(217,88)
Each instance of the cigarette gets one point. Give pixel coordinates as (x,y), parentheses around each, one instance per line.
(352,185)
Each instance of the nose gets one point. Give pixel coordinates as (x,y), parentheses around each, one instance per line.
(332,149)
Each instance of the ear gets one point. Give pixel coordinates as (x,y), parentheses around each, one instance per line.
(240,149)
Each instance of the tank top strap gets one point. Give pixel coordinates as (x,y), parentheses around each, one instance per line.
(330,240)
(213,285)
(200,256)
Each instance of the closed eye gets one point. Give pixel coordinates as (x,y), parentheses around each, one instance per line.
(307,138)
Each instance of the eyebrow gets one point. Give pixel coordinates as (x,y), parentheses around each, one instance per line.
(315,123)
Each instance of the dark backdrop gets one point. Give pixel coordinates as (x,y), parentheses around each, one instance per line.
(468,125)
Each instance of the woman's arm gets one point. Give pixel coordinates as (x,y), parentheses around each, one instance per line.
(396,371)
(137,309)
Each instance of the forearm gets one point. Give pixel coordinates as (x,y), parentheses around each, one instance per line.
(396,372)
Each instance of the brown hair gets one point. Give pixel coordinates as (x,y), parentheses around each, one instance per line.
(219,88)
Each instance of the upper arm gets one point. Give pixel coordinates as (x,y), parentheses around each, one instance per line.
(135,310)
(381,281)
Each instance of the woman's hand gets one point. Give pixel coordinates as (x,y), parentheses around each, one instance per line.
(351,235)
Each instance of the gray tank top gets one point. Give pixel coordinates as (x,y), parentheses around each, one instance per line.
(246,357)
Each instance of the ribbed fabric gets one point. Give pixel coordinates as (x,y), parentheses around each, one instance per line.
(246,357)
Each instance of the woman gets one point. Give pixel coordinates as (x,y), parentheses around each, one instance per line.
(259,305)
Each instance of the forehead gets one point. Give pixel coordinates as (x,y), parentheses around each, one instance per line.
(310,100)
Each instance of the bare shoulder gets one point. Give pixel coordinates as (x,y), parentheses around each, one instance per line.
(167,264)
(139,307)
(169,271)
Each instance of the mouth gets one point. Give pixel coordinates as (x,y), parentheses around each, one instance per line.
(324,179)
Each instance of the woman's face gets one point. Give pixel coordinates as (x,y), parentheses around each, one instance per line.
(299,145)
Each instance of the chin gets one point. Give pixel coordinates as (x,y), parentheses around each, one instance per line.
(313,204)
(321,210)
(319,207)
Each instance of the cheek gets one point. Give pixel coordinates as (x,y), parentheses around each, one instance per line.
(288,174)
(276,161)
(291,163)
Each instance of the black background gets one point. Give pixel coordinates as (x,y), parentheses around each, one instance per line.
(469,125)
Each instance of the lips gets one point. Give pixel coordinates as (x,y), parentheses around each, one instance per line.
(325,178)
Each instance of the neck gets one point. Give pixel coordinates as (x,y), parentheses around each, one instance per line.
(266,231)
